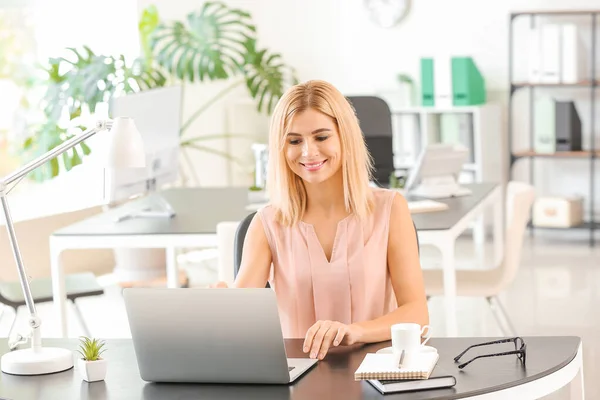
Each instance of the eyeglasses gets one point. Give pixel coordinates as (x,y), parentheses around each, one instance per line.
(520,351)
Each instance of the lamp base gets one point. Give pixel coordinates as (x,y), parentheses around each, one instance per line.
(46,360)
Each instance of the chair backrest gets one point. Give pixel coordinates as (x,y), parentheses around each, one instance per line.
(519,200)
(238,243)
(417,235)
(375,119)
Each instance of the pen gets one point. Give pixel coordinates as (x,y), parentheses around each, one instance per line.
(401,359)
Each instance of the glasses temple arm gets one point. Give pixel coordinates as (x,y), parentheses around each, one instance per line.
(461,366)
(484,344)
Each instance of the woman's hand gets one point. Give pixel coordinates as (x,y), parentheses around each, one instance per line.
(324,334)
(219,284)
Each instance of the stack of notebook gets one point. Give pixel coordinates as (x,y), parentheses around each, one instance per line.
(379,370)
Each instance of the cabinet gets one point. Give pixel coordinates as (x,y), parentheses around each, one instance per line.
(560,72)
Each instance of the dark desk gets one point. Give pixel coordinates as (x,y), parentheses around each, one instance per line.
(548,359)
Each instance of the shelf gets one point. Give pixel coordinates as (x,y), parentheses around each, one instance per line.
(585,225)
(555,12)
(589,82)
(436,110)
(586,83)
(558,154)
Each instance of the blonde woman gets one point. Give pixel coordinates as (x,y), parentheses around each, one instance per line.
(341,256)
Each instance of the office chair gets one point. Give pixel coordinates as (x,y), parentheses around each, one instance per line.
(489,283)
(375,119)
(238,244)
(76,286)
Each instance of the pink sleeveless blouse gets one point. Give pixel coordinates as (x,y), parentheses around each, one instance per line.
(353,286)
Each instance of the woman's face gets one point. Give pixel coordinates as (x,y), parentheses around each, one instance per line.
(312,148)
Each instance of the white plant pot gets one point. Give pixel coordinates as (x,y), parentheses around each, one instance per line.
(257,196)
(92,371)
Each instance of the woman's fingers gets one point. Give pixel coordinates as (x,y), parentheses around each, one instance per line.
(310,334)
(333,332)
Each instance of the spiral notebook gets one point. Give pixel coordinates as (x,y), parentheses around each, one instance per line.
(381,367)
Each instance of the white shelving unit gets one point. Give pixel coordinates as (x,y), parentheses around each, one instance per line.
(479,128)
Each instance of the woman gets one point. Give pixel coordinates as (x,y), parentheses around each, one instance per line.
(341,256)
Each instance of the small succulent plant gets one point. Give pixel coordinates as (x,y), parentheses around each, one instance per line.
(91,349)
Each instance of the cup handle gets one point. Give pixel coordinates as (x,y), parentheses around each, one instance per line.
(428,334)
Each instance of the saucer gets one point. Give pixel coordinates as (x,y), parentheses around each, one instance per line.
(424,349)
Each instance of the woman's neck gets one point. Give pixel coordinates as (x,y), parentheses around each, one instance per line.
(326,197)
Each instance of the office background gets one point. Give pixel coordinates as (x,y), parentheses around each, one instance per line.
(555,291)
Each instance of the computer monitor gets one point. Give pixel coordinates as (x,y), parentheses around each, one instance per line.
(436,172)
(157,115)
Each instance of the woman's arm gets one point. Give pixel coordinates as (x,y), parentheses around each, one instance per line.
(406,276)
(256,257)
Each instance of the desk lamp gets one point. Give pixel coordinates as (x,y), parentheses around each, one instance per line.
(125,150)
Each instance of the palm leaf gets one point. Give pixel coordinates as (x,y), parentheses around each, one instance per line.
(210,45)
(267,77)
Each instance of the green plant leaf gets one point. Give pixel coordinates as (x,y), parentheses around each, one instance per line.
(67,161)
(91,349)
(267,77)
(85,148)
(77,82)
(209,46)
(404,78)
(149,20)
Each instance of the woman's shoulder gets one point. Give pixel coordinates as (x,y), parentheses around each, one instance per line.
(387,202)
(266,212)
(383,196)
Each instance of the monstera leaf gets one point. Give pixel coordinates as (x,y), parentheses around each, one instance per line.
(210,46)
(50,135)
(81,80)
(215,42)
(266,76)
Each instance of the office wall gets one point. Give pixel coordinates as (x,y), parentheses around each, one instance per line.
(335,40)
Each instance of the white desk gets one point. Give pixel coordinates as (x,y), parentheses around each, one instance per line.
(197,218)
(441,229)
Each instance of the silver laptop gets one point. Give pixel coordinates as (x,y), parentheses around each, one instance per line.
(210,336)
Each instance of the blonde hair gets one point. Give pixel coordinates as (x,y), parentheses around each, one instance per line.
(286,189)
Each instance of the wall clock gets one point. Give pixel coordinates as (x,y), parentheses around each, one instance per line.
(387,13)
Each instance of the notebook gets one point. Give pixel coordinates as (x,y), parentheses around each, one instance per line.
(421,206)
(437,380)
(381,367)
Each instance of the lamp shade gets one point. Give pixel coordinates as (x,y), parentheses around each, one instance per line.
(126,147)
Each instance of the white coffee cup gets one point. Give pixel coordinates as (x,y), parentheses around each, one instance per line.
(407,337)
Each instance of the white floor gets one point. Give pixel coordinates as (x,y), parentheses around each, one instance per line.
(556,292)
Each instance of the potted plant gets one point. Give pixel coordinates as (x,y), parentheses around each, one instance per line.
(91,365)
(397,182)
(216,42)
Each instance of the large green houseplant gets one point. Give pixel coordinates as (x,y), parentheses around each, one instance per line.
(216,42)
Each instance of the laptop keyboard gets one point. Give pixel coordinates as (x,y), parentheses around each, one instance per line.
(290,369)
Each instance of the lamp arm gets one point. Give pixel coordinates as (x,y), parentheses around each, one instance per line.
(55,152)
(34,321)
